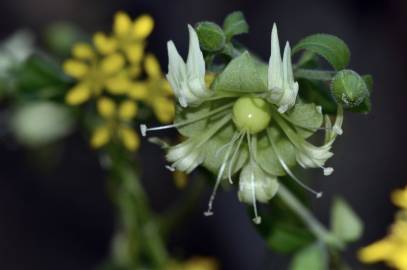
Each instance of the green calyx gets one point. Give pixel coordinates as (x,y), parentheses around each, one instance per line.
(251,114)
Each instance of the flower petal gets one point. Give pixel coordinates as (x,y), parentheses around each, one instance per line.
(127,110)
(134,52)
(83,51)
(138,91)
(143,26)
(152,66)
(106,107)
(100,137)
(129,138)
(112,63)
(122,24)
(78,94)
(105,45)
(164,109)
(75,68)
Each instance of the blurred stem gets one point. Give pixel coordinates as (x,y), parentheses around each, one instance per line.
(138,232)
(312,74)
(177,213)
(310,221)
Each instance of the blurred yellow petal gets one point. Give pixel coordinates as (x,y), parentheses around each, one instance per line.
(209,78)
(152,66)
(201,263)
(122,24)
(127,110)
(112,63)
(75,68)
(143,26)
(138,91)
(104,44)
(83,51)
(134,52)
(100,137)
(118,85)
(134,70)
(164,109)
(78,94)
(129,138)
(399,258)
(376,252)
(166,87)
(106,107)
(399,198)
(180,179)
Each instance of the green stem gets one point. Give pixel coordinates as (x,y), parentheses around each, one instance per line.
(137,237)
(313,224)
(321,75)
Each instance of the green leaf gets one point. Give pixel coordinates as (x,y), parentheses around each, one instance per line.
(312,257)
(42,77)
(346,225)
(244,74)
(330,47)
(349,89)
(287,238)
(211,36)
(235,24)
(306,118)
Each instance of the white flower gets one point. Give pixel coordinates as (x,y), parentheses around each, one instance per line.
(311,156)
(255,184)
(186,156)
(283,89)
(187,79)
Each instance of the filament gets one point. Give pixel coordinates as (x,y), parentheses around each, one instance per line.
(144,129)
(288,171)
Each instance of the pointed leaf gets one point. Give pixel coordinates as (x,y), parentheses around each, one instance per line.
(235,24)
(344,221)
(211,36)
(330,47)
(312,257)
(243,74)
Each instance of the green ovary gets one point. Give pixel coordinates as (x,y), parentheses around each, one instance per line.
(251,114)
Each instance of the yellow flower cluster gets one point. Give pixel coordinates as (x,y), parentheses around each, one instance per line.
(116,67)
(393,248)
(196,263)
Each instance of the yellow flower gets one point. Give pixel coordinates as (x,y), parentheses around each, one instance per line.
(201,263)
(130,35)
(393,248)
(117,124)
(94,73)
(155,91)
(399,198)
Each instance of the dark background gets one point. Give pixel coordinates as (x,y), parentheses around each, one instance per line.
(61,219)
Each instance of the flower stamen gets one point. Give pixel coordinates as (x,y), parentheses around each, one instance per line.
(289,172)
(144,129)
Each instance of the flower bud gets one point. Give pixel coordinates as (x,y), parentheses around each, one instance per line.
(349,89)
